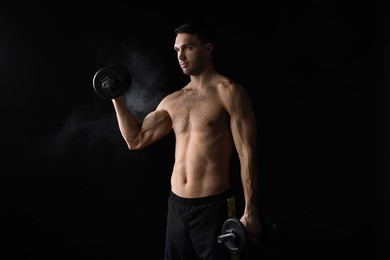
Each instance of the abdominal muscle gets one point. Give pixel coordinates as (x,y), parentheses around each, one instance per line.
(201,166)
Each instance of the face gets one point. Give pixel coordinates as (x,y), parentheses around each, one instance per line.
(191,53)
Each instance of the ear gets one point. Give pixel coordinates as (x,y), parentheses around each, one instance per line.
(209,48)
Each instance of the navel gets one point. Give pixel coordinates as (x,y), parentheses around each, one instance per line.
(210,123)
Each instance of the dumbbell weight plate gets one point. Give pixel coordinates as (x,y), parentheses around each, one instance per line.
(235,227)
(112,81)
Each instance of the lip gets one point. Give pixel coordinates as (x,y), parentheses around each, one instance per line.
(183,64)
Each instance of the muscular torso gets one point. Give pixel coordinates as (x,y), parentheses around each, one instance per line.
(203,143)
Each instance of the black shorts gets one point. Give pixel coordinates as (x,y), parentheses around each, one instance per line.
(193,227)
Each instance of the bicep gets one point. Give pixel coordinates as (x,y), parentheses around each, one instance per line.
(155,125)
(242,122)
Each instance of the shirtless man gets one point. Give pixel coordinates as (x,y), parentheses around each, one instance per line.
(211,116)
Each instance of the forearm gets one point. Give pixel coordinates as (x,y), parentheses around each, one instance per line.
(127,122)
(249,180)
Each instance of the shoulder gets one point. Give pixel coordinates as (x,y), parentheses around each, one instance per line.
(230,88)
(233,95)
(168,100)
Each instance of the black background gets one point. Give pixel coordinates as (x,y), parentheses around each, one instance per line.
(318,77)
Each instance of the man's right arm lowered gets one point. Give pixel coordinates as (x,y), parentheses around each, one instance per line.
(138,135)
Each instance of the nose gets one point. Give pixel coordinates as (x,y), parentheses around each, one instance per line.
(180,55)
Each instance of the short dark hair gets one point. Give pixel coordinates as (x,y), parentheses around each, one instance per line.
(203,29)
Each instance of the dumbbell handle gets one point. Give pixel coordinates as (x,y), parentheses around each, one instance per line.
(226,237)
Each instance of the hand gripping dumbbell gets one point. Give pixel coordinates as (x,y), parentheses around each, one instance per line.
(112,81)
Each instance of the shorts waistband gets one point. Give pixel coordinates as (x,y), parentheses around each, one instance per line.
(203,200)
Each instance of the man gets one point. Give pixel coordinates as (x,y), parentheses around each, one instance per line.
(211,116)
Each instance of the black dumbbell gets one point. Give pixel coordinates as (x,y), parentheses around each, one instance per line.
(112,81)
(233,235)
